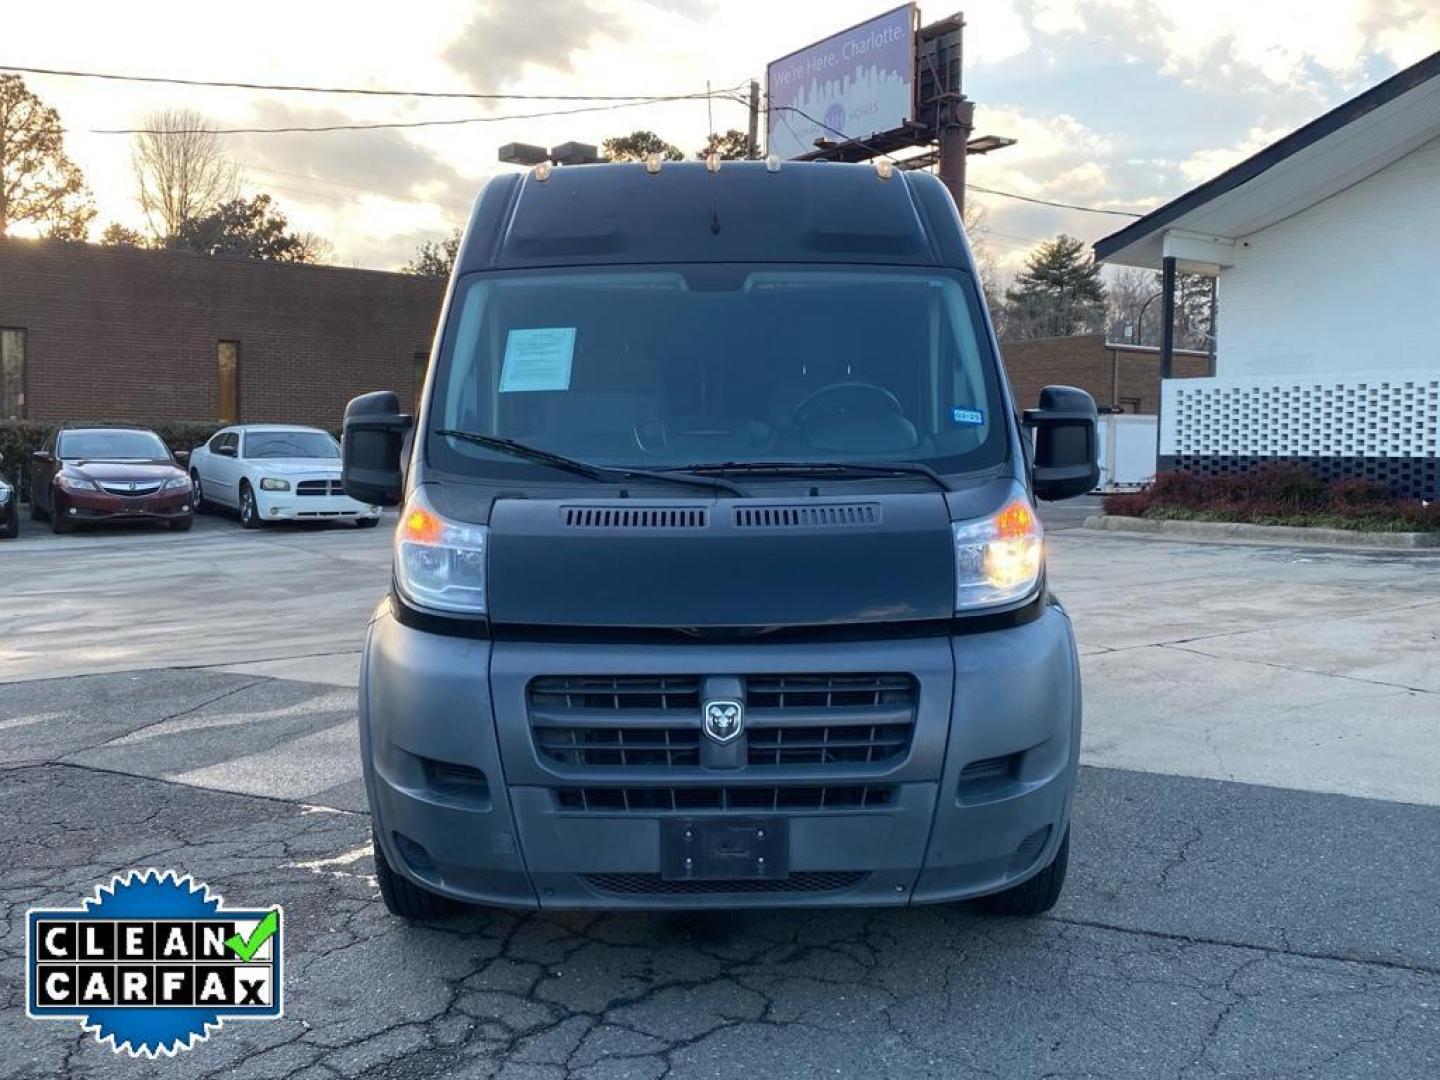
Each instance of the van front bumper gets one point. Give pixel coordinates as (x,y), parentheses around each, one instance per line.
(465,805)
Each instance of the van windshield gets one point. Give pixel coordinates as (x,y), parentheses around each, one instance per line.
(674,367)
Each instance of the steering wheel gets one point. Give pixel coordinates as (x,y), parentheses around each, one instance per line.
(845,398)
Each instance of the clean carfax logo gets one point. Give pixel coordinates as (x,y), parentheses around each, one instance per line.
(153,963)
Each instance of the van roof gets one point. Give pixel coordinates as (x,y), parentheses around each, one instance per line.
(805,212)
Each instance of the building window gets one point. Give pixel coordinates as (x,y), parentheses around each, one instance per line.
(12,374)
(227,357)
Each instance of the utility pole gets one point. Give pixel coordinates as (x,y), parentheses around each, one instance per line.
(956,122)
(753,147)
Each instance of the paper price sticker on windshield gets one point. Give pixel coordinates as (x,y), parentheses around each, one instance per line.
(537,359)
(153,963)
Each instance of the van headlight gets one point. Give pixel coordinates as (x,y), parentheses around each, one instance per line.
(998,558)
(440,563)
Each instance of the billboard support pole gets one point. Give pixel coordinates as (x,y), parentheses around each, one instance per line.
(753,146)
(957,121)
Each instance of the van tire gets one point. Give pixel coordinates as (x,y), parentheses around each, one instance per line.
(1035,895)
(403,897)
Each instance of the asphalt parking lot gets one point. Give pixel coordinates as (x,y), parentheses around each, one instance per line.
(1254,888)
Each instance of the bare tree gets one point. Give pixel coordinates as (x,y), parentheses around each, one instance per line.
(977,229)
(181,169)
(1133,299)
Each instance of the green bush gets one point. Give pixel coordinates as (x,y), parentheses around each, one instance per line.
(21,438)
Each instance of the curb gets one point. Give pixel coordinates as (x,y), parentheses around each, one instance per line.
(1237,532)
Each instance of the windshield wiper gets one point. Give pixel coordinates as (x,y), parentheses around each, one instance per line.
(819,468)
(603,474)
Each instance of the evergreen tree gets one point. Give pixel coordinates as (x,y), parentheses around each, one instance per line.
(1057,294)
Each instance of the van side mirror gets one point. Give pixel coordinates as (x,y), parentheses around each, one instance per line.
(1066,444)
(370,448)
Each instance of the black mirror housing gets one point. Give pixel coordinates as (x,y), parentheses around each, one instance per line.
(1067,449)
(370,448)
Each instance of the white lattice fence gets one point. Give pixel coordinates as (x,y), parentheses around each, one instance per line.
(1378,427)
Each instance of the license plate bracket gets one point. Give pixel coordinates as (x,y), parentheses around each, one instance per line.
(725,849)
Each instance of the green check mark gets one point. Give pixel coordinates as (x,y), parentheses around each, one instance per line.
(246,948)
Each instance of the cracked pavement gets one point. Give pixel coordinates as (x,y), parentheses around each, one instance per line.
(1281,927)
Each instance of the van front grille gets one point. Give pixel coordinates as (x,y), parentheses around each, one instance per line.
(831,719)
(600,721)
(653,800)
(654,721)
(810,881)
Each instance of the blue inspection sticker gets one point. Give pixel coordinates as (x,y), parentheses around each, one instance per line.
(966,417)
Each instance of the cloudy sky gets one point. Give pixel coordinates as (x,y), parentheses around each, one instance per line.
(1116,103)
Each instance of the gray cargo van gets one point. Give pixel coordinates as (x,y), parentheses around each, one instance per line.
(718,579)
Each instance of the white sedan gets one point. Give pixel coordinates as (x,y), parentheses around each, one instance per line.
(275,472)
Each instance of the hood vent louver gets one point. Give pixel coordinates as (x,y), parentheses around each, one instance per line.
(825,515)
(635,517)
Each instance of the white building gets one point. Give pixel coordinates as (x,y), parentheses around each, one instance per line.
(1326,246)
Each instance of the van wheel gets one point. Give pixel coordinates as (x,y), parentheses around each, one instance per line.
(403,897)
(1035,895)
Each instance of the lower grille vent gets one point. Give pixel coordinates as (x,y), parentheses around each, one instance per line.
(814,881)
(651,800)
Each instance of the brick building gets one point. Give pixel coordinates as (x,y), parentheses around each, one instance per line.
(127,334)
(1121,376)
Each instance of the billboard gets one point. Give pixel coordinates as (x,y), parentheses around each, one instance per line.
(850,85)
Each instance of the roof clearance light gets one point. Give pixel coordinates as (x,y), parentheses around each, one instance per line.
(884,168)
(652,162)
(772,163)
(712,162)
(541,172)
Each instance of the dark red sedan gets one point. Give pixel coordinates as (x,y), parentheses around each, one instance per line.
(86,475)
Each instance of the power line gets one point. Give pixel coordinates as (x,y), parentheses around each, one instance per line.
(1061,205)
(377,126)
(976,187)
(308,89)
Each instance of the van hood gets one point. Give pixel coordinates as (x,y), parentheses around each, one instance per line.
(696,564)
